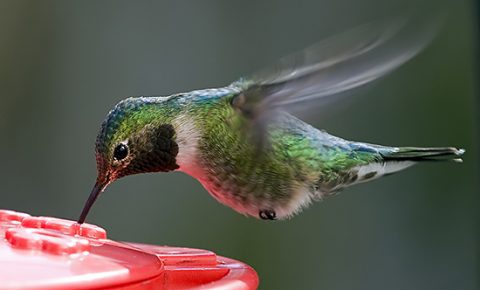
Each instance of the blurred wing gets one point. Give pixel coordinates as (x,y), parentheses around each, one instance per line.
(332,67)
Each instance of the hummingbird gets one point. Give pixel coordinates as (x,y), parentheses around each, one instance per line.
(244,143)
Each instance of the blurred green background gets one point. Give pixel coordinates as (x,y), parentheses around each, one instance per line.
(64,64)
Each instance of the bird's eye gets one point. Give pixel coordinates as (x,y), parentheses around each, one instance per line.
(120,152)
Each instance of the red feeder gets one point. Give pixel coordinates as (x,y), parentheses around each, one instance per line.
(52,253)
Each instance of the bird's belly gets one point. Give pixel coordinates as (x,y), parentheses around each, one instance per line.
(236,202)
(252,204)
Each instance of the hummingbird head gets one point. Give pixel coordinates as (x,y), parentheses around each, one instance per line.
(132,139)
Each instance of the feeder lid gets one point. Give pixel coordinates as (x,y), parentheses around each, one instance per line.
(53,253)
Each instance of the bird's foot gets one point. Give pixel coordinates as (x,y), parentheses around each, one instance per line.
(267,214)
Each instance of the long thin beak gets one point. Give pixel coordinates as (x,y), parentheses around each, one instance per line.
(97,189)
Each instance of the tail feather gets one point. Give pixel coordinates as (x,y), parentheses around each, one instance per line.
(394,159)
(423,154)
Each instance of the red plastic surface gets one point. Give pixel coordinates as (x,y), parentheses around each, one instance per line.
(52,253)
